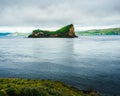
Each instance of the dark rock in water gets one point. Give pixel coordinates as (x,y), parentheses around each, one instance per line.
(64,32)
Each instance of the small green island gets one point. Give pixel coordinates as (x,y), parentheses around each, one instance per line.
(64,32)
(28,87)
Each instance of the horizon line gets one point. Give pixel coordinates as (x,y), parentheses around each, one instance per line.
(5,29)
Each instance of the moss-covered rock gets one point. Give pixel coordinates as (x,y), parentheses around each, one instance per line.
(27,87)
(64,32)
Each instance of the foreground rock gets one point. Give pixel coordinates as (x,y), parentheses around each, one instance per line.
(64,32)
(27,87)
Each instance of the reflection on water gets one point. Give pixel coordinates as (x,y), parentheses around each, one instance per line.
(84,62)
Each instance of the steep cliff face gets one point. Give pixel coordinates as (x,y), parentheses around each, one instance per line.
(71,31)
(64,32)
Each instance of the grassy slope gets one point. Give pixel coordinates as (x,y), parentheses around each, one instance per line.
(60,31)
(26,87)
(110,31)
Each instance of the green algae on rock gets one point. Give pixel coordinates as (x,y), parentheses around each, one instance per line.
(64,32)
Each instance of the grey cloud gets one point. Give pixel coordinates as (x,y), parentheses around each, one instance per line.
(59,12)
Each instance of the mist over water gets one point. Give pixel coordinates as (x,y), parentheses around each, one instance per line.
(84,62)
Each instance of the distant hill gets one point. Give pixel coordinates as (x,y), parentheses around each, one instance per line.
(110,31)
(19,34)
(14,34)
(4,34)
(64,32)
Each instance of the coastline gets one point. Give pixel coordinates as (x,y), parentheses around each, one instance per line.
(32,87)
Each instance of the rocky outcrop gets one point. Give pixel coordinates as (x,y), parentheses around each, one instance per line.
(64,32)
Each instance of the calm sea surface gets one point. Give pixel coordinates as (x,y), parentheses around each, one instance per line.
(84,62)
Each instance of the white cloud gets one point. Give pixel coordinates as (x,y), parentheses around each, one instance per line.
(54,13)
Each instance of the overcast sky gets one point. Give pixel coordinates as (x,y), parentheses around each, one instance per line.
(51,14)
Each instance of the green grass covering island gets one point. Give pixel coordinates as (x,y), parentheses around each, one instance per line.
(27,87)
(109,31)
(64,32)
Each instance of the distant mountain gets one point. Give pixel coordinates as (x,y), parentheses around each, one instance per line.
(4,34)
(64,32)
(109,31)
(14,34)
(19,34)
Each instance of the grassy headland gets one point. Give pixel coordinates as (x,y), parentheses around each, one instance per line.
(64,32)
(27,87)
(110,31)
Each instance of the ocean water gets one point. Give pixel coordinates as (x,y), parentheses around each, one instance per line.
(84,62)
